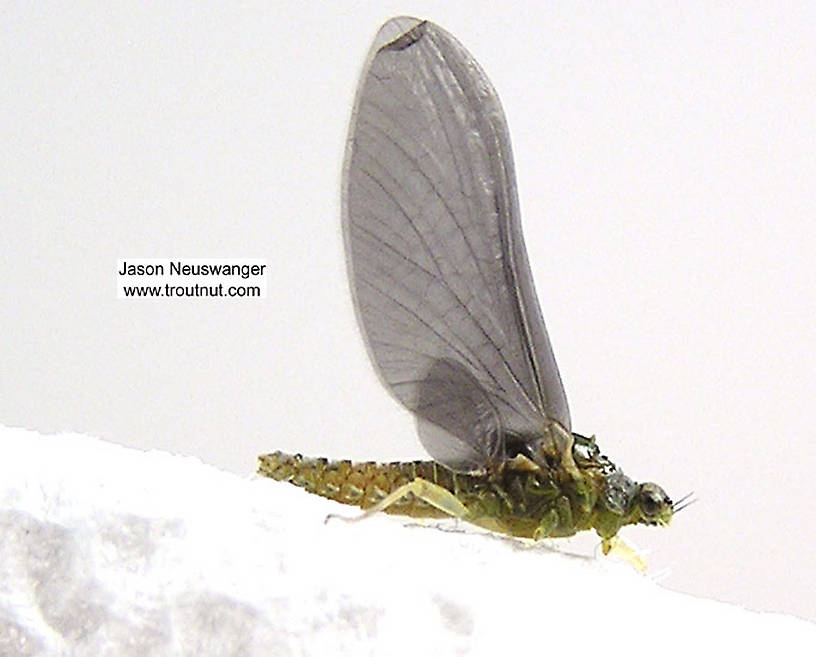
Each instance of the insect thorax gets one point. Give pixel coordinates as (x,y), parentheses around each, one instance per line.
(564,485)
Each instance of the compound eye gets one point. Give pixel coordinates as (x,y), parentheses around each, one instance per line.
(650,504)
(651,501)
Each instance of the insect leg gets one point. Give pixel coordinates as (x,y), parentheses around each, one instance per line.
(426,491)
(628,553)
(558,521)
(547,525)
(567,524)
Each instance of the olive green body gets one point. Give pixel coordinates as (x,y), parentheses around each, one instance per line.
(520,498)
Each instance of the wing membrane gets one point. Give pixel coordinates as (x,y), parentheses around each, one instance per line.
(437,264)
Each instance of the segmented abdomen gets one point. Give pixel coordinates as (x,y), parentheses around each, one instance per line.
(359,484)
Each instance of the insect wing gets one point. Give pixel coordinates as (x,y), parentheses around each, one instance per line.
(437,264)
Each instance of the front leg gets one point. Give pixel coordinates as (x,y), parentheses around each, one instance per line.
(629,553)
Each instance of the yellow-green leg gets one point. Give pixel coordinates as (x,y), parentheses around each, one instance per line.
(422,489)
(628,553)
(547,526)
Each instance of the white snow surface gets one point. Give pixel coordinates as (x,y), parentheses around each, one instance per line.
(108,550)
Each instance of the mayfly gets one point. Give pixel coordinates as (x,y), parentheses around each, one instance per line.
(445,300)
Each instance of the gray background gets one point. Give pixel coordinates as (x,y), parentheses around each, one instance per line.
(665,161)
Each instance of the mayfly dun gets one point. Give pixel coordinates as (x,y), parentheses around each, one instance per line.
(446,302)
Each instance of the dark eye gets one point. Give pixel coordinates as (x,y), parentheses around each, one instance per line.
(650,504)
(651,500)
